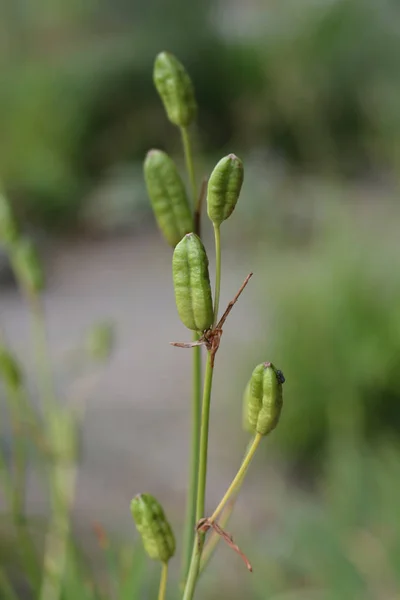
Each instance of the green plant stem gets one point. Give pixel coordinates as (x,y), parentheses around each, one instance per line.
(188,534)
(163,581)
(238,479)
(187,148)
(194,461)
(63,479)
(217,236)
(214,538)
(202,477)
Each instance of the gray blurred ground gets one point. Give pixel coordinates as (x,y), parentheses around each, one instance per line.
(136,430)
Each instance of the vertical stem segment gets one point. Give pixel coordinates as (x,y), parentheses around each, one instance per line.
(188,535)
(201,485)
(217,236)
(187,148)
(163,581)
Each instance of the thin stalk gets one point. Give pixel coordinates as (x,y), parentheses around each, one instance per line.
(190,518)
(214,538)
(63,479)
(201,485)
(217,236)
(188,533)
(187,148)
(238,477)
(163,581)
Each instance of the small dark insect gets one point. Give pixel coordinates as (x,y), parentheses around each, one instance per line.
(280,376)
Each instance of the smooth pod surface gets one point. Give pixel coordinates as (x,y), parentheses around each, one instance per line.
(175,89)
(151,522)
(224,188)
(192,283)
(168,196)
(263,399)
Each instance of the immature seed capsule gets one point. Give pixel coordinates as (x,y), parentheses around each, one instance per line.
(8,227)
(192,283)
(168,196)
(224,188)
(27,266)
(151,522)
(10,371)
(263,399)
(175,89)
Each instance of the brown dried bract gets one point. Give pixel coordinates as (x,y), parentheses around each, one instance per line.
(205,524)
(211,338)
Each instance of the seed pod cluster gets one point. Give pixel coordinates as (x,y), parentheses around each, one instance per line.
(151,522)
(263,399)
(168,196)
(27,266)
(10,371)
(175,89)
(224,188)
(192,283)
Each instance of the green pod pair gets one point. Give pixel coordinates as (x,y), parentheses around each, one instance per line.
(224,188)
(27,266)
(10,371)
(263,399)
(175,89)
(168,196)
(192,283)
(152,524)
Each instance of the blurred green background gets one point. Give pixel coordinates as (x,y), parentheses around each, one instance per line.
(308,94)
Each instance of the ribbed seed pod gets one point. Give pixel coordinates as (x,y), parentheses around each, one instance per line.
(263,399)
(175,89)
(151,522)
(168,196)
(192,283)
(8,227)
(224,188)
(10,371)
(27,266)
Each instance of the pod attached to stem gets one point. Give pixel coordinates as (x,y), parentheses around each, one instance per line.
(192,283)
(168,196)
(263,399)
(156,533)
(224,188)
(175,89)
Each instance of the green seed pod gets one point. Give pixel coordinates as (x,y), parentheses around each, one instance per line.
(8,227)
(224,188)
(168,196)
(27,266)
(192,283)
(10,371)
(151,522)
(263,399)
(175,89)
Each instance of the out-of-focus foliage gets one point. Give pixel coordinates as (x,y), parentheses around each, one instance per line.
(333,326)
(318,83)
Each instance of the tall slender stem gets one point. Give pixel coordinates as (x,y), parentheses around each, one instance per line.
(238,477)
(188,534)
(217,236)
(163,582)
(187,148)
(201,485)
(223,521)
